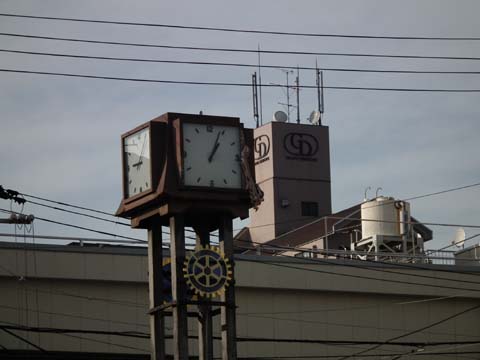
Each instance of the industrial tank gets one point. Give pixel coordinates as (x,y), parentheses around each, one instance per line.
(388,212)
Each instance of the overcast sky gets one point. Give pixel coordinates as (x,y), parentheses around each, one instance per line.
(60,137)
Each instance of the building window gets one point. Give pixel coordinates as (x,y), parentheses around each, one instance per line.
(309,208)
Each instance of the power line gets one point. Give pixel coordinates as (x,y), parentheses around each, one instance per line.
(67,204)
(344,325)
(376,205)
(355,265)
(78,316)
(145,335)
(443,191)
(134,334)
(81,227)
(283,248)
(210,63)
(416,197)
(82,208)
(78,213)
(416,331)
(363,356)
(236,30)
(271,263)
(250,51)
(21,338)
(210,83)
(77,238)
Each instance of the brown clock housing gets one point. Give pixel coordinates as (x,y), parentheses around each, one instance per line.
(169,193)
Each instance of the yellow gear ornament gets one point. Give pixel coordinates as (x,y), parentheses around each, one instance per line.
(207,271)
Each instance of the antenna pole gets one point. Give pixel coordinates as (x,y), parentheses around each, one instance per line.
(298,95)
(260,86)
(255,98)
(317,78)
(288,98)
(323,100)
(319,81)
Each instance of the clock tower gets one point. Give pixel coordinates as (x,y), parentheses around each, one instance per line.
(186,170)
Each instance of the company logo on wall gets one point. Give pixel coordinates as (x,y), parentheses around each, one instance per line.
(300,146)
(262,149)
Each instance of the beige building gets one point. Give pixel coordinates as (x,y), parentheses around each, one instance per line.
(287,307)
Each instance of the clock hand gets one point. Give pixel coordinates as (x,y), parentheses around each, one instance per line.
(213,152)
(215,147)
(140,161)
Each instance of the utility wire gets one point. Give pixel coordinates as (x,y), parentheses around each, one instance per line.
(78,213)
(80,227)
(250,51)
(67,204)
(236,30)
(376,205)
(78,317)
(134,334)
(364,277)
(211,83)
(83,208)
(21,338)
(79,239)
(463,187)
(363,356)
(283,248)
(416,331)
(363,267)
(145,335)
(229,64)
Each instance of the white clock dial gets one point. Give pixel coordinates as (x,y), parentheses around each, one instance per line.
(137,162)
(211,156)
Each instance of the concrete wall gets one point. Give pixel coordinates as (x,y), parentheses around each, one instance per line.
(106,289)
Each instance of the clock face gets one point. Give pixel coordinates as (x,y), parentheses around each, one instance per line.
(137,162)
(211,156)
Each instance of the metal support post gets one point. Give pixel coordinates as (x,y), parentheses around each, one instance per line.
(179,290)
(155,284)
(227,315)
(205,325)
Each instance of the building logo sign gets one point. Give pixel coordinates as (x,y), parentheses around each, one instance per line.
(262,149)
(300,146)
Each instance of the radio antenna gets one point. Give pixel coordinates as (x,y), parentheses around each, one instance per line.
(255,98)
(260,86)
(320,90)
(298,95)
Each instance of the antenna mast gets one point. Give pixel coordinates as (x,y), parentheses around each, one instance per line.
(260,86)
(288,105)
(298,94)
(319,78)
(255,98)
